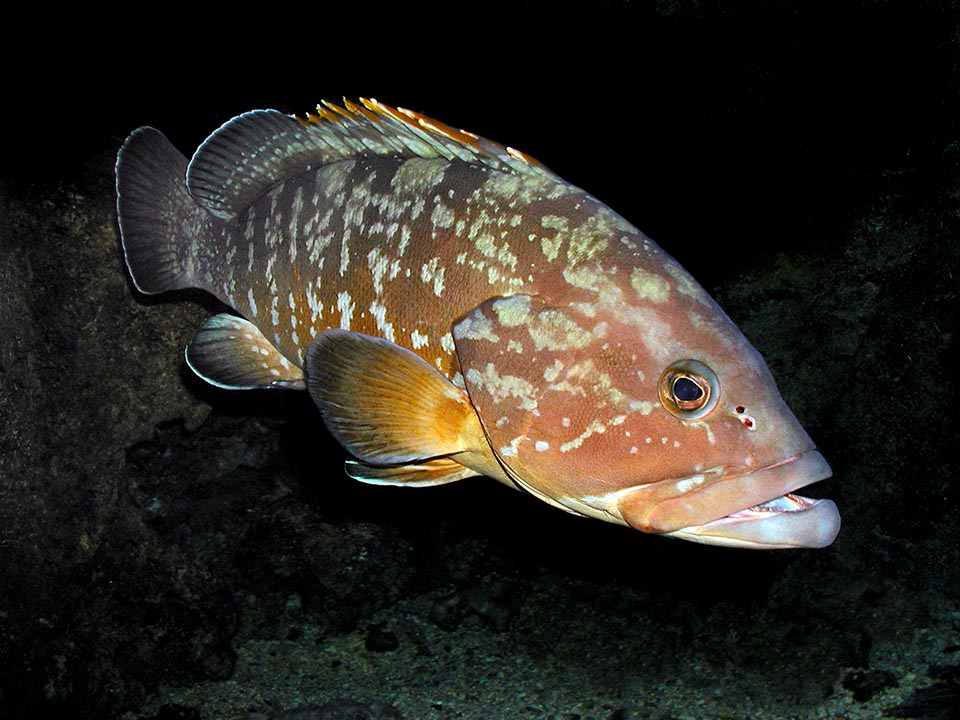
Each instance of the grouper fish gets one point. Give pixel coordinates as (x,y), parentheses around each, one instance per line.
(455,309)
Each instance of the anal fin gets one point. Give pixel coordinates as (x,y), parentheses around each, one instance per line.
(232,353)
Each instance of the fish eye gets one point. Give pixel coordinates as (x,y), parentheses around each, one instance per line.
(686,390)
(689,389)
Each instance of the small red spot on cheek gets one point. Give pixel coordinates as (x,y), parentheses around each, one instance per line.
(740,409)
(747,422)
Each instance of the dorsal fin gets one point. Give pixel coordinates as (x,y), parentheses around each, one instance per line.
(253,151)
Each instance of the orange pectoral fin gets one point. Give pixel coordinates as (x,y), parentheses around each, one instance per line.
(390,409)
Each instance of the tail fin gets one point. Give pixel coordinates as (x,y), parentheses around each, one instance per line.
(160,224)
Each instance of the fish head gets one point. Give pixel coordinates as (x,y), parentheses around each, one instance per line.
(631,397)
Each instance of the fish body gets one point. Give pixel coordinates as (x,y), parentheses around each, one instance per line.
(456,309)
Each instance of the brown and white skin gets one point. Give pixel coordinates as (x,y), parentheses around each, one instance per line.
(456,309)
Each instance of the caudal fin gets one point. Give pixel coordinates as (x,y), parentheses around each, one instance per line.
(160,224)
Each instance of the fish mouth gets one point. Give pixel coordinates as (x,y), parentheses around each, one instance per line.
(729,507)
(788,521)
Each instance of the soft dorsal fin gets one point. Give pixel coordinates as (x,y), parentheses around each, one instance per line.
(384,403)
(252,152)
(232,353)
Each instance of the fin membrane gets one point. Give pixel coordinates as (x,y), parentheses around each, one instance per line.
(426,474)
(388,406)
(254,151)
(232,353)
(159,221)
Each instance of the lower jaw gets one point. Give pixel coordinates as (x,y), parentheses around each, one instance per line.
(815,525)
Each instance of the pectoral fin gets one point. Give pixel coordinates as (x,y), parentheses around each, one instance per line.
(232,353)
(395,413)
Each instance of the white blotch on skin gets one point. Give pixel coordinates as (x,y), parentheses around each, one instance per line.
(500,387)
(690,483)
(419,340)
(706,426)
(476,326)
(446,342)
(379,265)
(345,306)
(379,312)
(551,374)
(274,311)
(594,427)
(442,216)
(431,272)
(649,286)
(541,446)
(644,407)
(514,311)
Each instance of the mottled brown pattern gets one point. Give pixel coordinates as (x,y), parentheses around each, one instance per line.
(558,326)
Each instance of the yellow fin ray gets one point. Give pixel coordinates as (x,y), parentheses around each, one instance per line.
(384,403)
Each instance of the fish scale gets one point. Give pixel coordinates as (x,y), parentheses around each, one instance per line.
(486,238)
(456,309)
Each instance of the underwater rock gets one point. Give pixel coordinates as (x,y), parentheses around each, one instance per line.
(336,710)
(93,606)
(864,684)
(379,639)
(141,532)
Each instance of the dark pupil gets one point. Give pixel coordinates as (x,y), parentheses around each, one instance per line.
(686,390)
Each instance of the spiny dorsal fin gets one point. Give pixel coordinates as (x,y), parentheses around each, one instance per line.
(385,404)
(232,353)
(252,152)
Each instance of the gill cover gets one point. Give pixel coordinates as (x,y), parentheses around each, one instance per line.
(544,380)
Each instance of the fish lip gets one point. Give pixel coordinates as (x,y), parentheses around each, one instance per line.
(812,524)
(719,494)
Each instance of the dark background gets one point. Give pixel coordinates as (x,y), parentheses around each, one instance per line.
(801,161)
(748,122)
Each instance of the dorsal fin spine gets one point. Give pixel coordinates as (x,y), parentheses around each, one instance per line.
(254,151)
